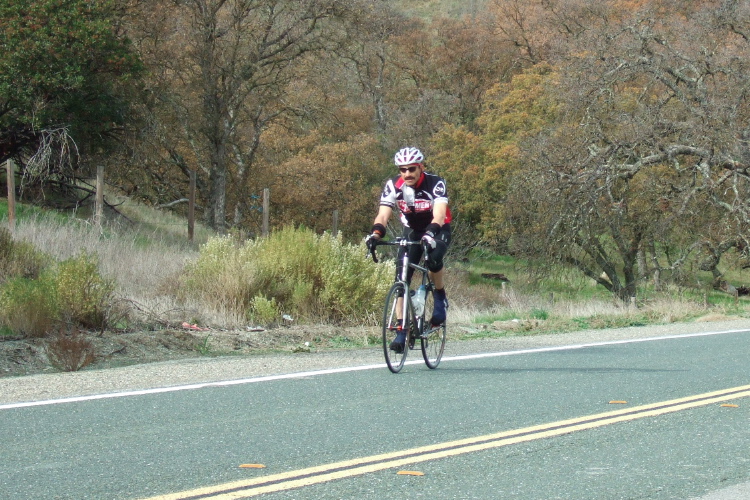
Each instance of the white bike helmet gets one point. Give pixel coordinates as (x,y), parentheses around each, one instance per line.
(408,156)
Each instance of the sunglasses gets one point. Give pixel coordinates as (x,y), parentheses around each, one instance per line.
(408,169)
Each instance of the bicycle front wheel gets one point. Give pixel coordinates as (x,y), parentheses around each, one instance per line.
(433,337)
(394,356)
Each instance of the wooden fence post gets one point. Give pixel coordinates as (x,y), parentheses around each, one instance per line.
(335,230)
(266,210)
(191,207)
(99,206)
(11,174)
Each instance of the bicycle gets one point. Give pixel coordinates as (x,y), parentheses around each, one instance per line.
(415,322)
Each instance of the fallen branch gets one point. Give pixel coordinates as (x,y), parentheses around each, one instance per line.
(173,203)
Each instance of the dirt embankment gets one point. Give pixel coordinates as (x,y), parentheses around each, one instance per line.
(31,356)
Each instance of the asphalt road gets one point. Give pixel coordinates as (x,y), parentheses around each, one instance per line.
(658,419)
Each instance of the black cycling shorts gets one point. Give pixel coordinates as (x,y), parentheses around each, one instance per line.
(435,256)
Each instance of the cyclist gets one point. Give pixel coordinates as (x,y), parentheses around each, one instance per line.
(422,200)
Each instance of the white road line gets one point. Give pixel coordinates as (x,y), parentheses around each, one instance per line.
(315,373)
(592,344)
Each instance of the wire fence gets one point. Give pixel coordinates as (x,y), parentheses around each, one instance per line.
(98,217)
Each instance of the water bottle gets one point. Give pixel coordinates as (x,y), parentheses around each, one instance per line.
(419,300)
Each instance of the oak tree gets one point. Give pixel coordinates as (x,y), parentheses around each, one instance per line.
(66,77)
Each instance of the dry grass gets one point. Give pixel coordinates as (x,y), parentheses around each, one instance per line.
(508,311)
(141,265)
(136,266)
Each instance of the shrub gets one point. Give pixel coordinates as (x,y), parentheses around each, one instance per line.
(28,307)
(221,276)
(352,284)
(263,311)
(19,258)
(309,276)
(70,352)
(83,294)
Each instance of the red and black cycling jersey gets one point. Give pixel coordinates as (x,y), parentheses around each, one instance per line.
(415,204)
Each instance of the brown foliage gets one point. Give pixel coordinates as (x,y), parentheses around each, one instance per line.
(70,352)
(219,102)
(322,177)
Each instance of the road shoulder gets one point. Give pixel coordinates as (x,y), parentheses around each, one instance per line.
(50,386)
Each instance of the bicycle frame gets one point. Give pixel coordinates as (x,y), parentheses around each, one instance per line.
(405,265)
(426,281)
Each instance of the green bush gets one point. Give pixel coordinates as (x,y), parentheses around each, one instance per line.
(84,296)
(28,307)
(537,313)
(32,298)
(352,284)
(222,276)
(263,311)
(19,258)
(308,276)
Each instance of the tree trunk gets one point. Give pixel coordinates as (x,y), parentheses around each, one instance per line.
(219,190)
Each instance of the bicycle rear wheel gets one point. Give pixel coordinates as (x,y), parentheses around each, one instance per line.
(393,358)
(433,337)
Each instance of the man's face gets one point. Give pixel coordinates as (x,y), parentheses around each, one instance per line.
(411,173)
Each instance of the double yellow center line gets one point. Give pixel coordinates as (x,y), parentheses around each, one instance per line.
(349,468)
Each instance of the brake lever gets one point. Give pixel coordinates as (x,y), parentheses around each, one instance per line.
(371,251)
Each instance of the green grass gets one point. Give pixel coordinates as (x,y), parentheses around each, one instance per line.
(159,224)
(148,226)
(565,283)
(526,276)
(509,315)
(342,341)
(544,299)
(25,211)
